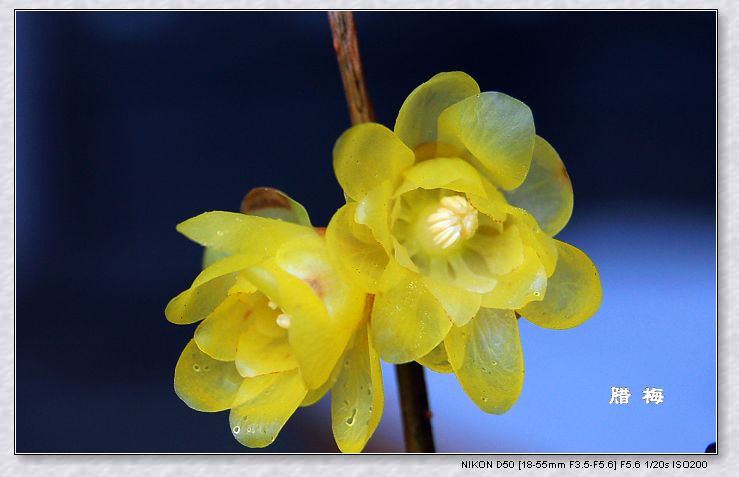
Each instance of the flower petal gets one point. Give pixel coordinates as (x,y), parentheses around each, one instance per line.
(437,360)
(407,321)
(442,173)
(373,211)
(316,339)
(274,204)
(416,122)
(204,383)
(487,359)
(357,398)
(497,130)
(573,293)
(218,334)
(231,232)
(531,235)
(196,303)
(315,395)
(366,155)
(461,305)
(547,191)
(353,248)
(259,354)
(263,405)
(526,283)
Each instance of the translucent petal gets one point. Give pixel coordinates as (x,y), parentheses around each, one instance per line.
(373,211)
(196,303)
(357,398)
(259,354)
(501,251)
(526,283)
(366,155)
(211,256)
(315,395)
(265,403)
(407,321)
(573,293)
(461,305)
(231,232)
(442,173)
(204,383)
(307,258)
(437,360)
(218,334)
(531,235)
(274,204)
(416,122)
(358,255)
(547,191)
(316,339)
(487,359)
(497,130)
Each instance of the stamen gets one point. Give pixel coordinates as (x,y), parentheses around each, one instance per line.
(283,320)
(455,219)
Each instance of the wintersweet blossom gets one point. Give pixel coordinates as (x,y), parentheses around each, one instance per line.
(449,223)
(279,326)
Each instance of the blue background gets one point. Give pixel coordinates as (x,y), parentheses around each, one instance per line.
(128,123)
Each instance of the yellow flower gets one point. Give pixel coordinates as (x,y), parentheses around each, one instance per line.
(279,327)
(449,222)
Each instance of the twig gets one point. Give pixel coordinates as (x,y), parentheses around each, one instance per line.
(411,382)
(350,65)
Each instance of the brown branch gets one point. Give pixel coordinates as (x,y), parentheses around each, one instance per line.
(411,382)
(350,65)
(414,405)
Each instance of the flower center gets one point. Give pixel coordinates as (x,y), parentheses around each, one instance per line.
(455,219)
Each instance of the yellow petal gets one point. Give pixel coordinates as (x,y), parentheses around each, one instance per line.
(275,204)
(547,191)
(218,334)
(373,211)
(442,173)
(230,232)
(531,235)
(573,293)
(497,130)
(315,395)
(366,155)
(407,321)
(357,398)
(204,383)
(416,122)
(461,305)
(259,354)
(526,283)
(196,303)
(265,403)
(358,255)
(437,360)
(501,251)
(487,359)
(316,339)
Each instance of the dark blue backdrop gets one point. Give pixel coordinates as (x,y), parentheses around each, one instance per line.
(128,123)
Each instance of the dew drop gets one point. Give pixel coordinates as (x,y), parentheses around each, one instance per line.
(236,429)
(219,233)
(350,419)
(196,368)
(494,363)
(206,368)
(484,399)
(346,363)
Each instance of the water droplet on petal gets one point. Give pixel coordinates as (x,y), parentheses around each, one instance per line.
(196,368)
(219,233)
(236,429)
(350,419)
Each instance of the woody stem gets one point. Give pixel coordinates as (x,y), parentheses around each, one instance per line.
(411,382)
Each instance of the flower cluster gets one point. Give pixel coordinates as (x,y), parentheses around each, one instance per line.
(446,239)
